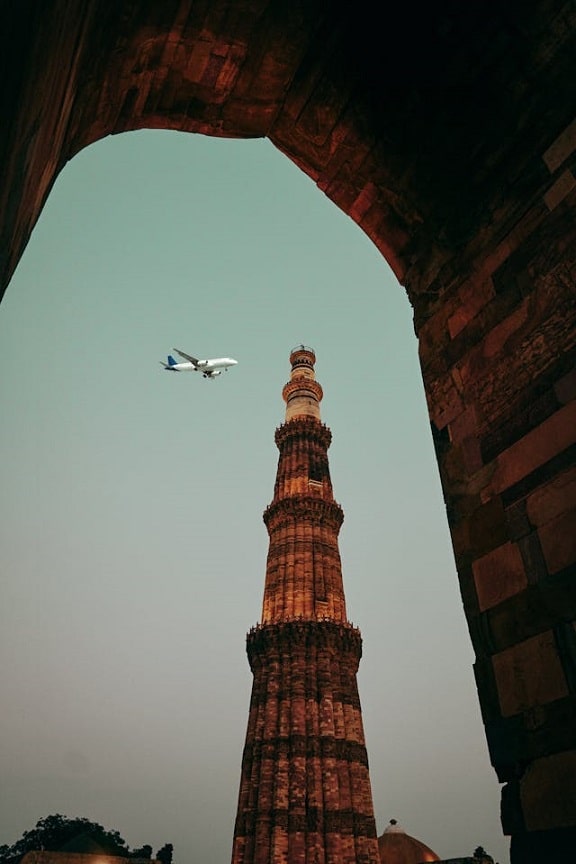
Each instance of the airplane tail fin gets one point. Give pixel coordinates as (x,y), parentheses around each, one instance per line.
(169,363)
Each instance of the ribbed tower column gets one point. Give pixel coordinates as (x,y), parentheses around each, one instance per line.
(305,795)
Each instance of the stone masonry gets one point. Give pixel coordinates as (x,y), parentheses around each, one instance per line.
(305,795)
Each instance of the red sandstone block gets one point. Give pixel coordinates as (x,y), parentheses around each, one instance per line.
(444,402)
(494,342)
(560,190)
(552,500)
(477,369)
(558,541)
(523,229)
(481,529)
(198,61)
(497,256)
(498,337)
(548,792)
(366,198)
(537,447)
(529,674)
(565,388)
(499,575)
(464,426)
(458,321)
(472,455)
(473,295)
(433,340)
(561,148)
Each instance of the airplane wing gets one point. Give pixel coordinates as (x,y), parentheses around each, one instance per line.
(192,360)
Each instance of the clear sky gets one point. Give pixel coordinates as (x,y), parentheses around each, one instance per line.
(132,547)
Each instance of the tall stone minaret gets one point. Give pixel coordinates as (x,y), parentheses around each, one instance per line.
(305,795)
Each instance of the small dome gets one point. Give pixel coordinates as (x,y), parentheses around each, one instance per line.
(397,847)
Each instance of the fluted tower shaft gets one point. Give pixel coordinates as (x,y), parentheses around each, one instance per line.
(305,795)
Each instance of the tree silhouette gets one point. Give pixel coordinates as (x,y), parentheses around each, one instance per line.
(54,832)
(143,852)
(481,855)
(164,855)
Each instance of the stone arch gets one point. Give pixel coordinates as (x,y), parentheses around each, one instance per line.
(447,134)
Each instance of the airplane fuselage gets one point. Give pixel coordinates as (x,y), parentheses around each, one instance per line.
(205,365)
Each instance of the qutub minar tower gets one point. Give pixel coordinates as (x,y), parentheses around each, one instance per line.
(305,795)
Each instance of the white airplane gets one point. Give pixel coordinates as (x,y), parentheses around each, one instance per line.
(208,368)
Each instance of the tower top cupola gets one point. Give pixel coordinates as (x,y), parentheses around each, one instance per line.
(302,393)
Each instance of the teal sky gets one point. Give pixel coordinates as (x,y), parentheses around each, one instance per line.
(133,550)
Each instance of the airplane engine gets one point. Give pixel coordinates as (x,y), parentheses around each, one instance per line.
(213,374)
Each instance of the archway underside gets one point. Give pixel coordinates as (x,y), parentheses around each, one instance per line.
(448,135)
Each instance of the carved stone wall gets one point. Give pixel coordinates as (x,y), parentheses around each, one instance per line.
(447,132)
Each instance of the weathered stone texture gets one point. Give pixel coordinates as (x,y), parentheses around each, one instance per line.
(535,449)
(540,810)
(499,575)
(529,674)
